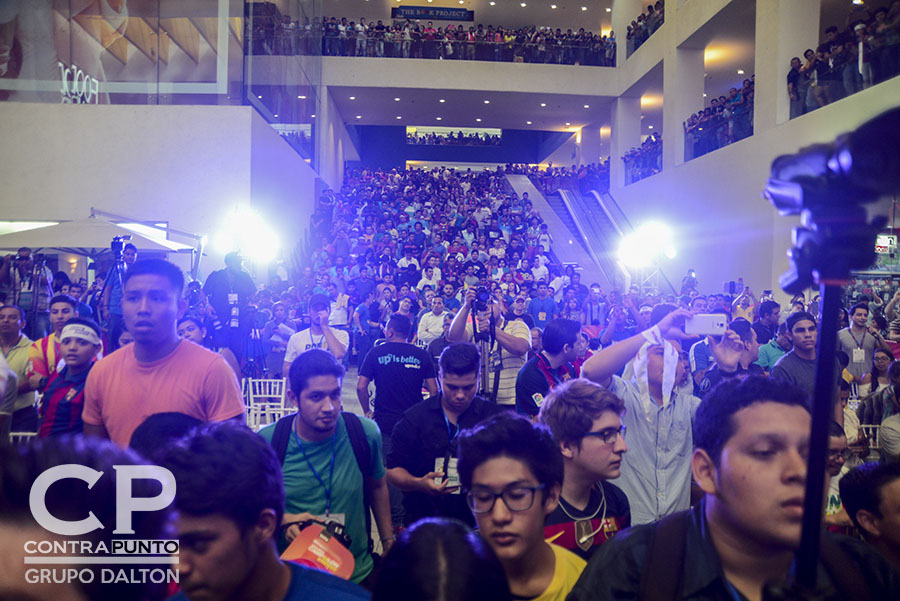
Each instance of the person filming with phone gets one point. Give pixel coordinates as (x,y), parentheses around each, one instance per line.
(734,354)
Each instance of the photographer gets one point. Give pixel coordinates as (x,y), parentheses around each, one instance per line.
(509,341)
(110,307)
(29,280)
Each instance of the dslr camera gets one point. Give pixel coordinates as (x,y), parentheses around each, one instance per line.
(482,298)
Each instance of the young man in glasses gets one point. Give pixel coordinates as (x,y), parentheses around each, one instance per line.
(512,472)
(585,420)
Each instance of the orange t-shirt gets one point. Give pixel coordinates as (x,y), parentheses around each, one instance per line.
(121,393)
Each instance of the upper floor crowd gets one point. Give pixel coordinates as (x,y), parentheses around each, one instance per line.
(339,36)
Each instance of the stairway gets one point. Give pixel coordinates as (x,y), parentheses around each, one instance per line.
(563,228)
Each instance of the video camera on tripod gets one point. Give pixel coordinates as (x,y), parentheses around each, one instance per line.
(829,186)
(117,246)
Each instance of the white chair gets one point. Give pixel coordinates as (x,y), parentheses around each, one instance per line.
(266,401)
(21,438)
(871,432)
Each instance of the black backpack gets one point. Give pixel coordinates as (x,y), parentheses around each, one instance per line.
(667,556)
(361,450)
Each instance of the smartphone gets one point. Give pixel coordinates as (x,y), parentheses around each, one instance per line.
(705,324)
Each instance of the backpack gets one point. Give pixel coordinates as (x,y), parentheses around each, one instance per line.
(667,555)
(361,450)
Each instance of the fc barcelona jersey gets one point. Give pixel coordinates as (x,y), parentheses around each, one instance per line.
(582,532)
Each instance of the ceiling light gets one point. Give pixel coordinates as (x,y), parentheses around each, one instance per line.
(543,104)
(438,118)
(740,71)
(587,106)
(584,8)
(492,3)
(704,94)
(567,123)
(553,6)
(396,100)
(528,123)
(302,97)
(442,100)
(523,5)
(359,116)
(260,97)
(609,10)
(487,101)
(649,127)
(461,1)
(353,98)
(275,115)
(478,119)
(313,115)
(399,117)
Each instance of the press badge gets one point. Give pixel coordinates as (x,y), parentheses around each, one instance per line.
(859,355)
(451,475)
(338,518)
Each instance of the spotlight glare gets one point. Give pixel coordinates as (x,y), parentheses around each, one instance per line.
(245,231)
(647,244)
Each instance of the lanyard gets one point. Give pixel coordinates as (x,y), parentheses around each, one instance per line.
(452,434)
(316,474)
(858,343)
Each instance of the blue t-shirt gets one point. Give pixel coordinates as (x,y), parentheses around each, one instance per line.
(363,310)
(542,310)
(312,585)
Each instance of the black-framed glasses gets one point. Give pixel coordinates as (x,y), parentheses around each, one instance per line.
(609,435)
(516,498)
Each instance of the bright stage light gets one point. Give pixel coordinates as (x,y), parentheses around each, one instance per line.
(647,244)
(244,230)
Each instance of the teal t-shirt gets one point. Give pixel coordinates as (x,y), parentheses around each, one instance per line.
(303,492)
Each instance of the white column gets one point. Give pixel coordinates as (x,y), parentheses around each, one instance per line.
(682,95)
(626,134)
(784,29)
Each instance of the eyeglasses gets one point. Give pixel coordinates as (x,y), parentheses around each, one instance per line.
(518,498)
(609,435)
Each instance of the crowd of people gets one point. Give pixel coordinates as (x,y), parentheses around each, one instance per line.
(727,119)
(584,178)
(645,25)
(451,139)
(591,442)
(644,160)
(335,36)
(863,52)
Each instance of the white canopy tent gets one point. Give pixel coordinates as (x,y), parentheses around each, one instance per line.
(87,237)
